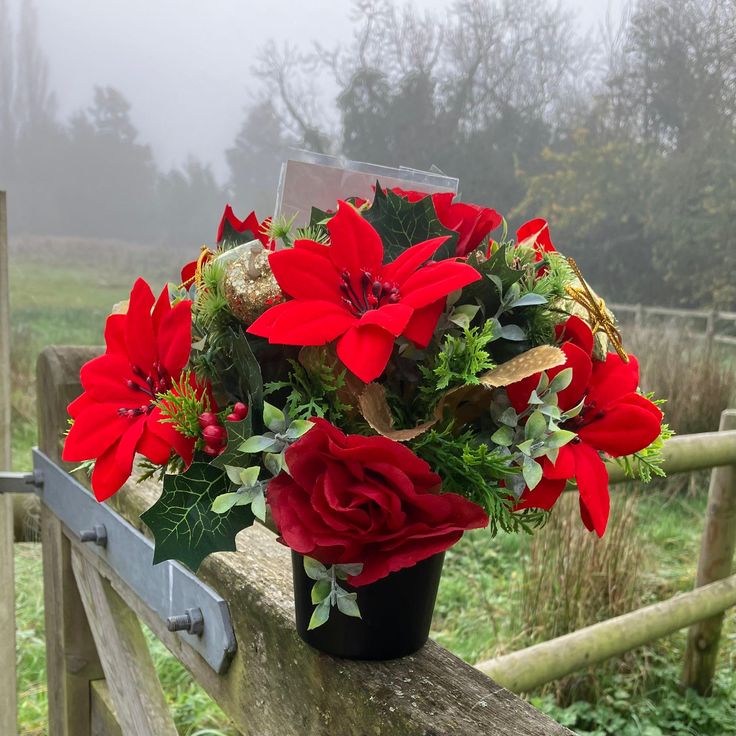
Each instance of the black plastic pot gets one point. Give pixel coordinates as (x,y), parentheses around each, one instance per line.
(396,613)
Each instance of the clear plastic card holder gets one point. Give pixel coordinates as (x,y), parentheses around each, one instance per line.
(316,180)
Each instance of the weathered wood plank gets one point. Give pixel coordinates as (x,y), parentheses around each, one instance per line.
(715,562)
(8,708)
(71,657)
(133,684)
(278,686)
(103,718)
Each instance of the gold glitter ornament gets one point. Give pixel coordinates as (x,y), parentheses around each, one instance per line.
(249,284)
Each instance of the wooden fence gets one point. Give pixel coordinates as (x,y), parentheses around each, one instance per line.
(716,326)
(101,679)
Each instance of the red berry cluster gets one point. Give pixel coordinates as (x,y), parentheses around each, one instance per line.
(213,433)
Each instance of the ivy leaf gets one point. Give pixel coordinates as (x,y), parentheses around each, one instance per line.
(402,223)
(182,520)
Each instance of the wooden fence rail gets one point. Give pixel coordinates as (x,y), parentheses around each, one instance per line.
(712,320)
(702,609)
(101,680)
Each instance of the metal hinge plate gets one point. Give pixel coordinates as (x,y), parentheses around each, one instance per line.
(168,588)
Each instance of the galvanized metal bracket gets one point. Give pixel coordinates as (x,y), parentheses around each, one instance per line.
(20,482)
(168,588)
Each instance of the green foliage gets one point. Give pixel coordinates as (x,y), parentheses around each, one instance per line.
(182,405)
(647,463)
(461,359)
(210,305)
(326,591)
(312,393)
(401,224)
(472,469)
(183,523)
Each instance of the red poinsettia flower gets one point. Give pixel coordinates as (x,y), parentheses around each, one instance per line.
(536,233)
(615,420)
(116,416)
(345,291)
(250,224)
(350,498)
(470,221)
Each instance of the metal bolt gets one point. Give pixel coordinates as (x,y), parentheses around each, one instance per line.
(35,479)
(98,535)
(192,621)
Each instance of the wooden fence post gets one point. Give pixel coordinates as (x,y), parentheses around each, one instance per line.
(72,662)
(710,327)
(715,562)
(638,317)
(8,707)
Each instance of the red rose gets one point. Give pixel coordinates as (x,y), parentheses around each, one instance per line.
(351,498)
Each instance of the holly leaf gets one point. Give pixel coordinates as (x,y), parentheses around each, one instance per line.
(401,224)
(183,523)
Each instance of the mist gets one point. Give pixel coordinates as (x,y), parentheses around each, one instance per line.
(139,121)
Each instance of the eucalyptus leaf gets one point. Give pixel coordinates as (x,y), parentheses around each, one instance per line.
(570,413)
(528,300)
(512,332)
(462,316)
(348,569)
(273,418)
(320,615)
(298,428)
(532,473)
(321,590)
(274,462)
(534,398)
(535,426)
(559,438)
(347,603)
(561,381)
(222,504)
(258,507)
(258,443)
(503,436)
(233,473)
(315,569)
(509,417)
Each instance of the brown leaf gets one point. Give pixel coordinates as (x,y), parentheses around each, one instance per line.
(375,410)
(522,366)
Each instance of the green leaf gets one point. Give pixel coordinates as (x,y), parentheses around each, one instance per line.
(559,438)
(570,413)
(462,316)
(183,523)
(526,446)
(321,590)
(258,506)
(315,569)
(512,332)
(561,381)
(274,462)
(233,473)
(401,224)
(257,443)
(222,504)
(535,426)
(273,418)
(509,417)
(347,604)
(528,300)
(237,433)
(249,476)
(298,428)
(503,436)
(320,615)
(532,472)
(348,569)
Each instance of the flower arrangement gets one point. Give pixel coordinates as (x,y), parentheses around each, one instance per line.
(392,374)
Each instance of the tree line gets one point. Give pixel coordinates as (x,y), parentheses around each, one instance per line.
(625,140)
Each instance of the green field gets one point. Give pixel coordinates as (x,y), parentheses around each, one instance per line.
(61,292)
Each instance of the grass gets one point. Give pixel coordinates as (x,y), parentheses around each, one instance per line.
(61,292)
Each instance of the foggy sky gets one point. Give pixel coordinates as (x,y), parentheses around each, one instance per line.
(185,65)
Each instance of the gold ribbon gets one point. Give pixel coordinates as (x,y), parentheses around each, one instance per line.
(599,318)
(204,255)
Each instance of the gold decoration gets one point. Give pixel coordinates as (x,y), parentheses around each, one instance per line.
(599,318)
(249,285)
(205,254)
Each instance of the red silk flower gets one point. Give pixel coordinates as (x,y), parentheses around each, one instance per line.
(345,291)
(615,420)
(250,224)
(470,221)
(536,233)
(115,417)
(350,498)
